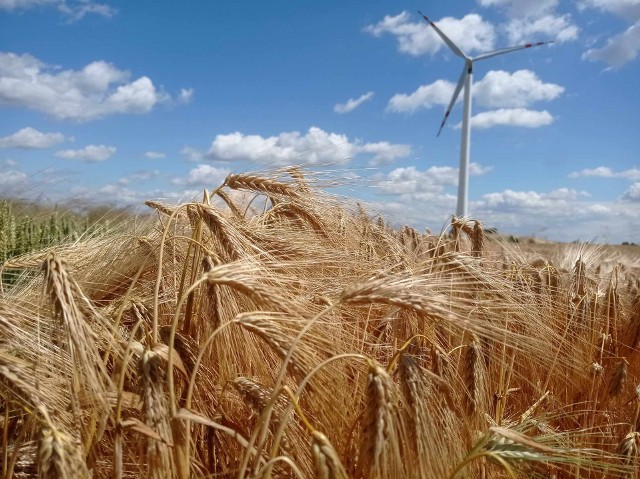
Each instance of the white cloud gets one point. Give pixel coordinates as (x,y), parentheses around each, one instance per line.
(191,154)
(154,155)
(511,117)
(30,138)
(90,153)
(518,89)
(522,8)
(627,9)
(205,175)
(139,177)
(426,198)
(606,172)
(119,194)
(623,47)
(498,88)
(10,178)
(536,20)
(426,96)
(563,214)
(315,147)
(74,10)
(383,151)
(125,193)
(420,197)
(8,163)
(619,49)
(597,208)
(549,27)
(352,104)
(79,10)
(97,90)
(185,96)
(509,199)
(409,180)
(10,5)
(633,193)
(471,33)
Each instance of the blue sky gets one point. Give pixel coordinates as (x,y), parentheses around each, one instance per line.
(126,101)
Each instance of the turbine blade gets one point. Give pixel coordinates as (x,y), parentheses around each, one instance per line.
(495,53)
(446,39)
(456,94)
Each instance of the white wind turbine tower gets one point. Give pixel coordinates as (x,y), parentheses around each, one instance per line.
(466,80)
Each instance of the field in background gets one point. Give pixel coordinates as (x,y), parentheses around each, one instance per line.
(271,330)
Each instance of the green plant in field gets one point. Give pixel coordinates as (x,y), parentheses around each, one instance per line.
(22,233)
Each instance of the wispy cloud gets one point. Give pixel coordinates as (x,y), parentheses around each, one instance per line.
(89,154)
(30,138)
(620,49)
(521,117)
(74,10)
(410,180)
(623,47)
(191,154)
(185,96)
(352,104)
(534,20)
(606,172)
(154,155)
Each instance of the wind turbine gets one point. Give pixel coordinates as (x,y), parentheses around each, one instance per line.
(466,81)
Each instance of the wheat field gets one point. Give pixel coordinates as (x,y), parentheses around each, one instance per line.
(273,330)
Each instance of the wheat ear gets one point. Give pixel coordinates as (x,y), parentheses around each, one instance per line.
(155,412)
(379,446)
(260,184)
(474,375)
(59,456)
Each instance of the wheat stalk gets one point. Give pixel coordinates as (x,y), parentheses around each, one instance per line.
(18,381)
(379,451)
(477,240)
(155,412)
(618,379)
(220,229)
(325,459)
(229,202)
(263,326)
(59,456)
(474,376)
(161,207)
(260,184)
(81,340)
(629,447)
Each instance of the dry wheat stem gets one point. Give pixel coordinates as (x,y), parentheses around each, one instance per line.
(264,471)
(303,384)
(260,432)
(232,206)
(198,362)
(156,292)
